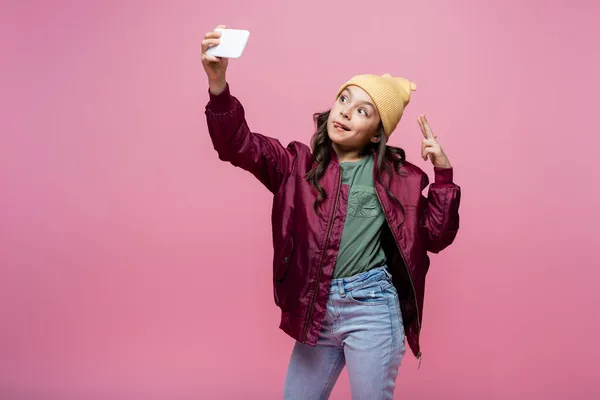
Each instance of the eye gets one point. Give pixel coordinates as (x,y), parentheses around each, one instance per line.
(343,98)
(364,112)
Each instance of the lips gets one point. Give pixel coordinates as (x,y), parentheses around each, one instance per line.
(340,126)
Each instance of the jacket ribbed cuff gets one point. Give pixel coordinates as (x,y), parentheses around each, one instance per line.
(222,102)
(443,175)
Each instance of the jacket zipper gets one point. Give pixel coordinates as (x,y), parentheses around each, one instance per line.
(312,304)
(419,355)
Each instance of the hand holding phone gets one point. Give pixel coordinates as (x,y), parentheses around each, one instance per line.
(214,67)
(217,47)
(231,43)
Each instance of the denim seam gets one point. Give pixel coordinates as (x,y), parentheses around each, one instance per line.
(394,339)
(331,375)
(333,333)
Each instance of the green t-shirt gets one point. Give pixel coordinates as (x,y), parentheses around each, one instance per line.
(360,247)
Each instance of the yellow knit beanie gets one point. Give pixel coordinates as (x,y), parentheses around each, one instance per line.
(390,95)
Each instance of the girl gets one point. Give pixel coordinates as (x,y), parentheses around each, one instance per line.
(351,229)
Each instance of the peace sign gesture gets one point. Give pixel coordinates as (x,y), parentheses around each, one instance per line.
(430,148)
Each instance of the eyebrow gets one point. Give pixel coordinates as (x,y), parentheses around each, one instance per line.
(368,103)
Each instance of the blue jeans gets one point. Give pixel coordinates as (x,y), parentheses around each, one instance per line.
(362,330)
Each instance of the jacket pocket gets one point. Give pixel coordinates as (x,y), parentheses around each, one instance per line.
(285,259)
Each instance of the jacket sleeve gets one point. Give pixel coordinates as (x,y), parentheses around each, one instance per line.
(441,215)
(260,155)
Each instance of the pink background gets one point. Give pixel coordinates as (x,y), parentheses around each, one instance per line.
(136,265)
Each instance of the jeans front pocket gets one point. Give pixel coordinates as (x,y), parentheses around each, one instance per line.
(372,294)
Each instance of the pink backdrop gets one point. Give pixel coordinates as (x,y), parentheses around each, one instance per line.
(136,265)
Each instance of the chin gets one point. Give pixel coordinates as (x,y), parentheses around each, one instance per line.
(335,137)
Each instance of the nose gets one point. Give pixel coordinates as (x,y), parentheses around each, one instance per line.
(345,113)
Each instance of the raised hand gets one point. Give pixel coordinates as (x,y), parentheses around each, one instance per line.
(430,148)
(215,67)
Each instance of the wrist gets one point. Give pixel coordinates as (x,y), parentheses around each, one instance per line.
(216,87)
(222,101)
(442,162)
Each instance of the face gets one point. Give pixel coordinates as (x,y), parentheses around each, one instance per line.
(353,121)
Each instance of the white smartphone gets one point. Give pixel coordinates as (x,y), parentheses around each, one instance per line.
(233,42)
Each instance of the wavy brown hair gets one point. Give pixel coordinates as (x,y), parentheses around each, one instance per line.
(389,158)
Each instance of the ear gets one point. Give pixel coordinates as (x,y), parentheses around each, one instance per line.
(375,139)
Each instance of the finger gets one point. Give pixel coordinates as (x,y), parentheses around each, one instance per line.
(425,154)
(428,147)
(207,43)
(212,35)
(429,142)
(424,127)
(428,130)
(420,122)
(425,119)
(431,151)
(206,58)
